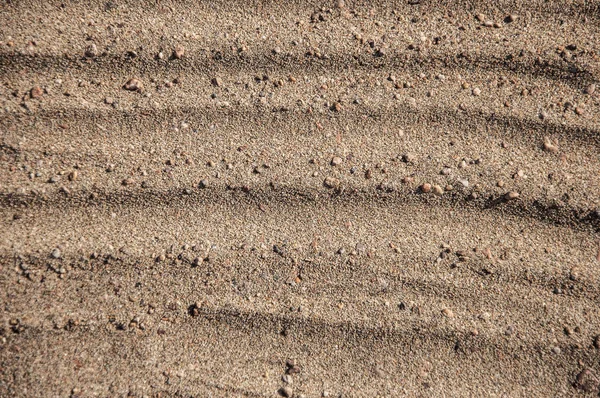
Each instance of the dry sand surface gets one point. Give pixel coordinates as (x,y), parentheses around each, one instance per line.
(299,198)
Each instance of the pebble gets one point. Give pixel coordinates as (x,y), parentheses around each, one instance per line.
(510,18)
(549,146)
(216,81)
(91,51)
(597,342)
(289,379)
(556,350)
(437,190)
(511,195)
(408,158)
(590,89)
(476,92)
(56,253)
(286,392)
(448,312)
(178,52)
(446,171)
(36,92)
(133,84)
(127,181)
(464,182)
(500,184)
(425,188)
(203,184)
(336,161)
(331,182)
(73,176)
(587,381)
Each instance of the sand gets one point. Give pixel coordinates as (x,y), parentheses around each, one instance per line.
(336,198)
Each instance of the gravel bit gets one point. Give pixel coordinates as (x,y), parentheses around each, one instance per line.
(331,182)
(178,52)
(56,253)
(133,84)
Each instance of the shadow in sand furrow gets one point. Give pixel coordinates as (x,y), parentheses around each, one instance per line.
(413,334)
(589,8)
(323,269)
(204,64)
(525,130)
(282,196)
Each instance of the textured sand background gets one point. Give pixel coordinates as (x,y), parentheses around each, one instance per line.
(299,198)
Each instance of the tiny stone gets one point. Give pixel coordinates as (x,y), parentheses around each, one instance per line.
(133,85)
(91,51)
(549,146)
(510,18)
(448,312)
(590,89)
(56,253)
(437,190)
(286,392)
(587,381)
(289,379)
(216,81)
(127,181)
(408,158)
(511,195)
(480,17)
(556,350)
(476,92)
(464,182)
(446,171)
(336,161)
(36,92)
(500,184)
(74,175)
(426,187)
(203,184)
(331,182)
(178,52)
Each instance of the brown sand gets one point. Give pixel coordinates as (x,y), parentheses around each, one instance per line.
(190,236)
